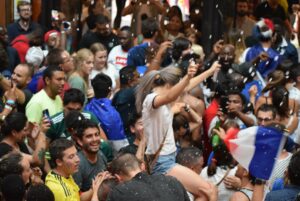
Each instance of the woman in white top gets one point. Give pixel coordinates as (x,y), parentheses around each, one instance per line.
(100,65)
(154,95)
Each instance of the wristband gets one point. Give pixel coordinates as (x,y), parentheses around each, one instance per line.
(8,107)
(260,181)
(10,102)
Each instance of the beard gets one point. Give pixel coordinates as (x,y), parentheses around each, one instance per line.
(90,150)
(242,13)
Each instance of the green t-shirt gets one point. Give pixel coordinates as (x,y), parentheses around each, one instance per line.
(58,128)
(40,102)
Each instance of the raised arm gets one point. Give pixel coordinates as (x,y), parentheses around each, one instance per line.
(200,78)
(7,85)
(176,90)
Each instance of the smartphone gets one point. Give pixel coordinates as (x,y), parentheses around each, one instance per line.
(223,104)
(54,15)
(47,115)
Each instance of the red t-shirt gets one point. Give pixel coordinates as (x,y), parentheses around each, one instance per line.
(21,44)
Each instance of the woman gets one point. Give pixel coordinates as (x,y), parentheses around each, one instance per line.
(156,91)
(287,109)
(100,65)
(84,63)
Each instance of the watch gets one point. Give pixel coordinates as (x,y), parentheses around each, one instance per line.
(259,181)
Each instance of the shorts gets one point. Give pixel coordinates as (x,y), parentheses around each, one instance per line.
(164,164)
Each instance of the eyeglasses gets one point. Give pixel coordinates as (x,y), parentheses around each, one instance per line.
(263,119)
(25,10)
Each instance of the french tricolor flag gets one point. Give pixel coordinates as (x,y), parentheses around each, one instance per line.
(256,148)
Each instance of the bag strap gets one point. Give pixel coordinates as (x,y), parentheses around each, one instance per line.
(155,155)
(226,174)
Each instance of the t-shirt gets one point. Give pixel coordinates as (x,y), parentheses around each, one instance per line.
(58,128)
(21,44)
(263,10)
(90,38)
(15,29)
(149,188)
(157,124)
(124,102)
(136,55)
(6,148)
(77,82)
(64,189)
(131,149)
(88,171)
(40,102)
(109,71)
(117,57)
(28,95)
(223,192)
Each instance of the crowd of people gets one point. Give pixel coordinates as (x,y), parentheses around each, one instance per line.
(141,112)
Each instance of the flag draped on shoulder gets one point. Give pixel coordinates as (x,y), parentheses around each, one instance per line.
(256,148)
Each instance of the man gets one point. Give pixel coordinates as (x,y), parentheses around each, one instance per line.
(13,57)
(247,184)
(58,57)
(65,162)
(24,25)
(73,100)
(24,41)
(290,191)
(107,115)
(262,54)
(192,158)
(226,59)
(92,160)
(137,185)
(283,46)
(266,115)
(234,108)
(48,98)
(103,35)
(272,9)
(21,77)
(118,55)
(243,24)
(137,54)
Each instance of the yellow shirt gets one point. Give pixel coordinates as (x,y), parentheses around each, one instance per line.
(64,189)
(39,102)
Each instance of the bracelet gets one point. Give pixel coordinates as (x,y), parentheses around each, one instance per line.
(259,181)
(10,102)
(2,118)
(8,107)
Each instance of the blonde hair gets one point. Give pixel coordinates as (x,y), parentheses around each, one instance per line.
(169,75)
(96,47)
(81,56)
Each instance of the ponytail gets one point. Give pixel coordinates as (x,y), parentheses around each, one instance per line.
(169,75)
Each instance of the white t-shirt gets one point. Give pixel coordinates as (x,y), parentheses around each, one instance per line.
(224,193)
(157,123)
(110,71)
(117,57)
